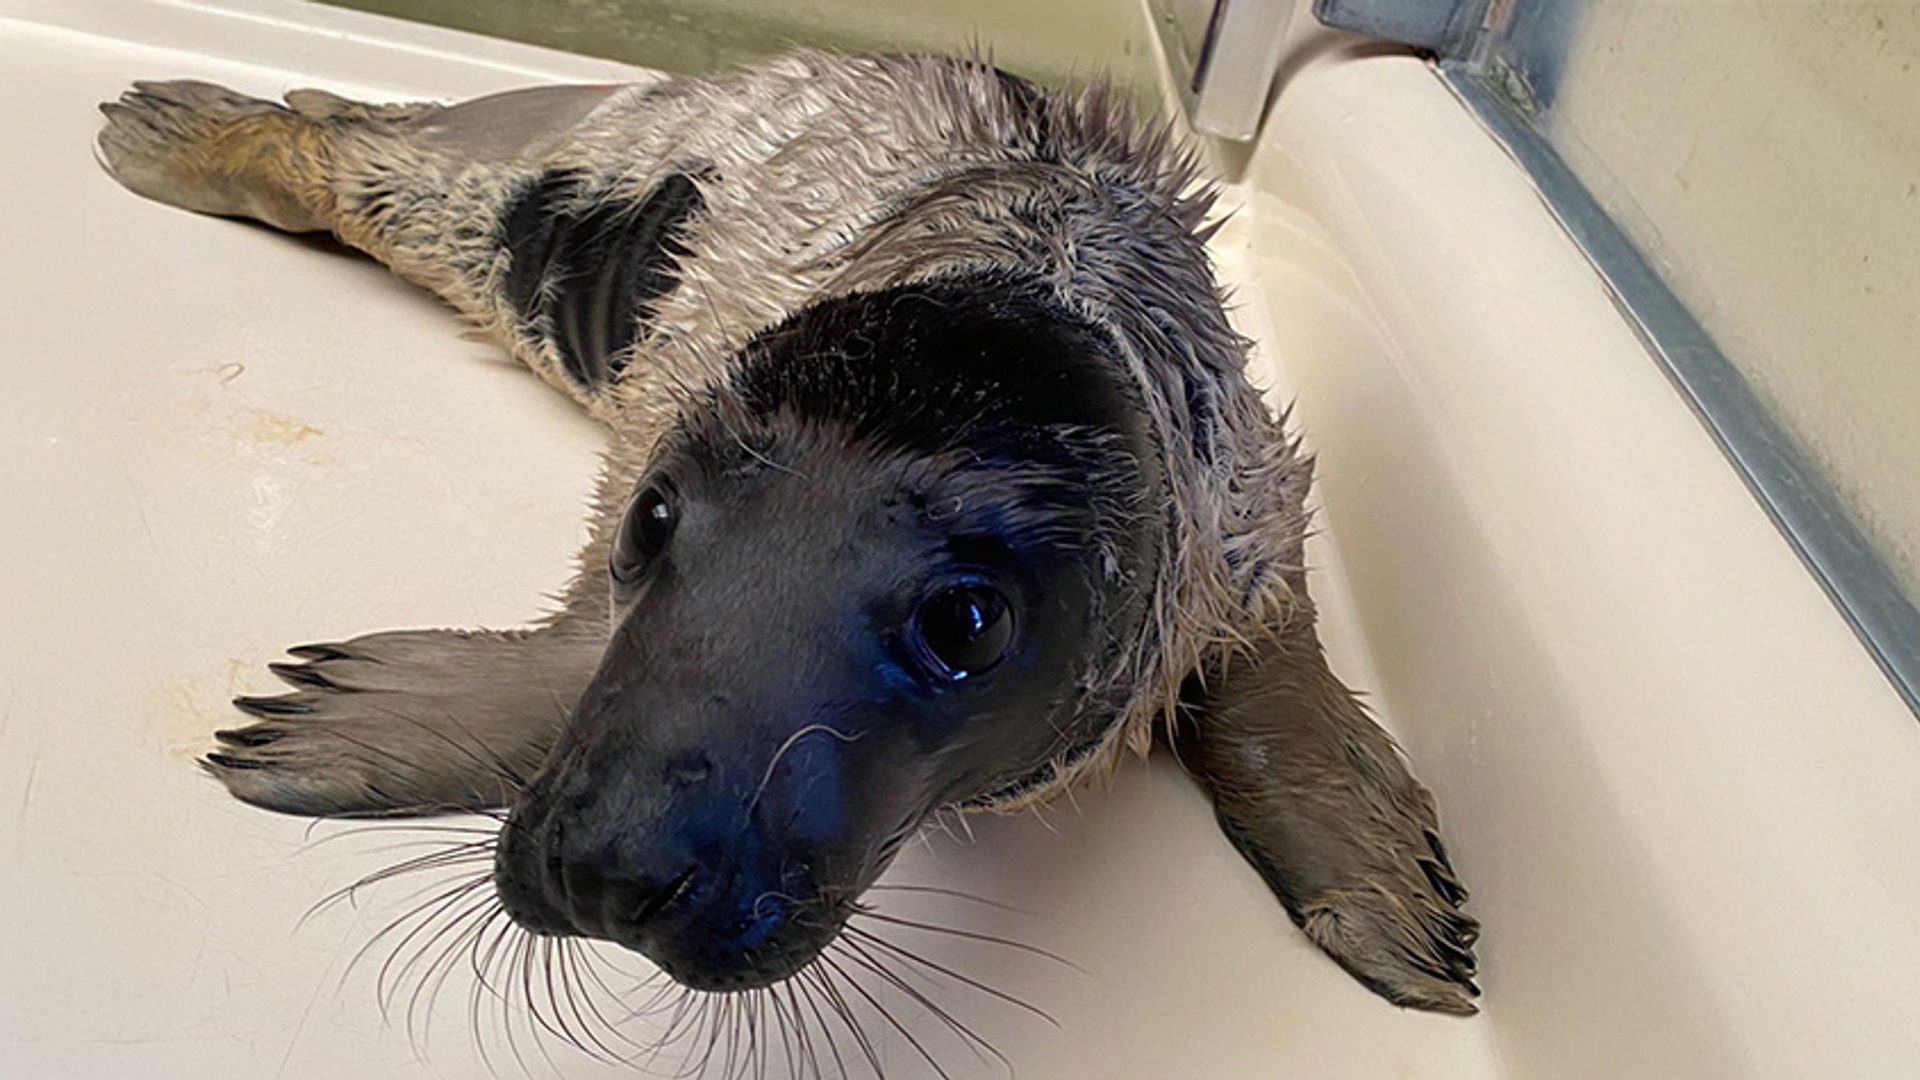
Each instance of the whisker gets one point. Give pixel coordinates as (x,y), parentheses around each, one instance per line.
(864,912)
(968,1037)
(349,828)
(529,991)
(730,1010)
(529,944)
(892,1021)
(441,965)
(908,955)
(689,1014)
(450,855)
(504,995)
(417,921)
(481,962)
(581,975)
(936,890)
(710,1021)
(753,1019)
(803,994)
(802,1061)
(842,1009)
(477,948)
(581,994)
(809,1049)
(774,1032)
(786,745)
(549,985)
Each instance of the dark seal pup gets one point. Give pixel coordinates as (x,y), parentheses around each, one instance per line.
(936,482)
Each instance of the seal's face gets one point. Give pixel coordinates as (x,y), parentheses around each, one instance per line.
(875,576)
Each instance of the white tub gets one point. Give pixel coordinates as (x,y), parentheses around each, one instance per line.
(1683,796)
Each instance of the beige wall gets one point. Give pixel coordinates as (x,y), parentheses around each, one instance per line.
(1047,39)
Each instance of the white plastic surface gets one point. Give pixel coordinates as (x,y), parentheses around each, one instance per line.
(1684,799)
(1688,803)
(216,441)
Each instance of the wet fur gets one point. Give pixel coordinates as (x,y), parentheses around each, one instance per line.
(803,185)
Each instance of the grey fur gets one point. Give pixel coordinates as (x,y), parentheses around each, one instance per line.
(824,176)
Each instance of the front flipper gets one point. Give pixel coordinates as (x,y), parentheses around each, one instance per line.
(1316,797)
(412,721)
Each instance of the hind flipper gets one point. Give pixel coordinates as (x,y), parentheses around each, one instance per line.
(205,148)
(417,721)
(323,162)
(464,200)
(1316,797)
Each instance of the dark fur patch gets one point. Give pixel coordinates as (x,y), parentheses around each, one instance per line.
(989,362)
(590,267)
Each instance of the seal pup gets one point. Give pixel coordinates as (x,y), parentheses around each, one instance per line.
(935,481)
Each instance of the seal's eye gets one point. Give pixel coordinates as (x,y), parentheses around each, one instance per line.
(643,534)
(964,630)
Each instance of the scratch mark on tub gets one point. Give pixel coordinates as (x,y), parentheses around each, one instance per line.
(149,1040)
(26,792)
(293,1039)
(224,374)
(140,506)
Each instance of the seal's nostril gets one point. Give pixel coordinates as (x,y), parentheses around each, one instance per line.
(665,897)
(556,866)
(689,770)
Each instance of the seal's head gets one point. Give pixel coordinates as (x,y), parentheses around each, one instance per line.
(875,574)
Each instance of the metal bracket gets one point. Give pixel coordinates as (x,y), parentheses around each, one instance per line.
(1224,55)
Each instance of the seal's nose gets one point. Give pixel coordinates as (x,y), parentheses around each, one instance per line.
(610,891)
(688,770)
